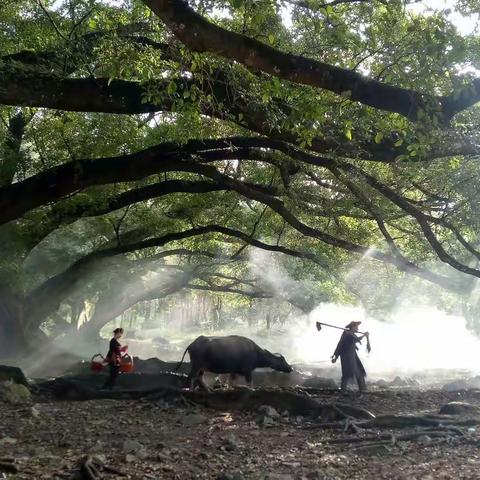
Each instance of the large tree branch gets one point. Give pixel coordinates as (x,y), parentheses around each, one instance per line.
(422,219)
(46,298)
(35,89)
(200,35)
(10,150)
(68,178)
(58,182)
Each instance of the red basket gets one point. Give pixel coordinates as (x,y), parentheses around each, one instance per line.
(96,365)
(126,364)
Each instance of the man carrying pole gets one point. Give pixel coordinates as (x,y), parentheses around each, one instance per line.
(352,367)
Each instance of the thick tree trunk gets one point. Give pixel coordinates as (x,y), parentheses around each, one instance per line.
(13,338)
(11,148)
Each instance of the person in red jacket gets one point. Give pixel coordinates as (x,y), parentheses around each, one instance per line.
(113,357)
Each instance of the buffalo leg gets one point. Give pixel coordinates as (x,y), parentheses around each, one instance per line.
(249,379)
(192,378)
(201,382)
(231,380)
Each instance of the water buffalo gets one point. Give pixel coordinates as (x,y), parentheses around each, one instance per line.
(232,354)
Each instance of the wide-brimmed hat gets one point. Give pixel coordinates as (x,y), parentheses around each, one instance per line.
(353,324)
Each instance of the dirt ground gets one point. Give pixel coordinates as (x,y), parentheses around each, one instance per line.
(155,440)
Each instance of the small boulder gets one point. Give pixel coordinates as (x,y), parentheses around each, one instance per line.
(14,393)
(269,411)
(265,421)
(424,440)
(13,374)
(35,412)
(229,444)
(135,448)
(459,408)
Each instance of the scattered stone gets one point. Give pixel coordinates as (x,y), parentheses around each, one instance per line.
(34,412)
(100,458)
(162,458)
(372,450)
(194,419)
(424,440)
(265,421)
(269,411)
(135,448)
(230,444)
(14,393)
(459,408)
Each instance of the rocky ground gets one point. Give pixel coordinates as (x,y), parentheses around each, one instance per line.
(142,439)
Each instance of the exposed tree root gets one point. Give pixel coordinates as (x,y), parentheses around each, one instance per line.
(235,399)
(390,438)
(90,468)
(404,421)
(396,422)
(8,464)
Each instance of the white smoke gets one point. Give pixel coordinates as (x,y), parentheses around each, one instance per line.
(413,339)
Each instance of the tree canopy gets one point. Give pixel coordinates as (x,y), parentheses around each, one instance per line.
(148,147)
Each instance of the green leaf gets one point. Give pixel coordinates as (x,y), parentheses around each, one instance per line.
(271,38)
(399,142)
(172,88)
(348,134)
(378,137)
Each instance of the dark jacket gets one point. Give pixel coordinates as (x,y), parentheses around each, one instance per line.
(114,354)
(346,349)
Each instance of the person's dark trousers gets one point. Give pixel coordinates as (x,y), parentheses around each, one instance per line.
(114,371)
